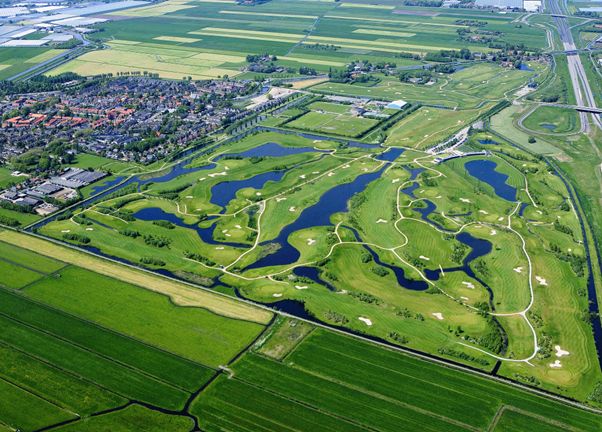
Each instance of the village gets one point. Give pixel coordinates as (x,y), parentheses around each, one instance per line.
(138,119)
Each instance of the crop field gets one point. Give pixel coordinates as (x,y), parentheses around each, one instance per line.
(330,377)
(382,241)
(113,347)
(16,60)
(315,34)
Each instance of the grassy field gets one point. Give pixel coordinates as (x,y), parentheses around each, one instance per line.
(16,60)
(333,377)
(405,276)
(552,120)
(333,119)
(178,31)
(110,343)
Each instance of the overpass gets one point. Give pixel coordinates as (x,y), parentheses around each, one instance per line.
(580,108)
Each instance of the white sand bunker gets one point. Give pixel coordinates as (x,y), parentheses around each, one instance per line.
(65,231)
(501,218)
(484,212)
(237,226)
(367,321)
(381,221)
(219,248)
(346,166)
(330,174)
(560,352)
(310,242)
(89,229)
(492,232)
(422,257)
(395,180)
(464,298)
(292,208)
(203,178)
(258,193)
(223,173)
(541,280)
(315,172)
(518,269)
(301,287)
(189,196)
(556,364)
(466,200)
(224,231)
(468,284)
(302,176)
(228,235)
(280,199)
(438,315)
(277,295)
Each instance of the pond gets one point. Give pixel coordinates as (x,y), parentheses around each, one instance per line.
(485,171)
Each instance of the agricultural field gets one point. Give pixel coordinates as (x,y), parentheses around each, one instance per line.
(331,382)
(456,259)
(124,362)
(16,60)
(209,39)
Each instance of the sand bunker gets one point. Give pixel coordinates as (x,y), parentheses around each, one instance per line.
(541,280)
(367,321)
(518,269)
(483,212)
(346,166)
(280,199)
(237,226)
(466,200)
(302,176)
(438,315)
(310,242)
(468,284)
(277,295)
(301,287)
(223,173)
(395,180)
(330,174)
(65,231)
(422,257)
(381,221)
(292,208)
(556,364)
(560,352)
(219,248)
(89,229)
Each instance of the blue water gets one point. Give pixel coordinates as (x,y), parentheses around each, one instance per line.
(478,248)
(358,144)
(411,284)
(314,274)
(106,185)
(548,126)
(224,192)
(484,170)
(414,172)
(206,234)
(409,190)
(522,209)
(333,201)
(391,154)
(525,67)
(488,142)
(270,150)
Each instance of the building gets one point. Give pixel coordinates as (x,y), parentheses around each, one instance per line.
(500,4)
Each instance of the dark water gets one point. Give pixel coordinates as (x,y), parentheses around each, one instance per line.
(524,67)
(523,207)
(484,170)
(106,185)
(333,201)
(488,142)
(314,274)
(391,154)
(548,126)
(224,192)
(414,172)
(409,190)
(206,234)
(270,149)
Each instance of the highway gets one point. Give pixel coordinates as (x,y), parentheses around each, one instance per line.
(583,92)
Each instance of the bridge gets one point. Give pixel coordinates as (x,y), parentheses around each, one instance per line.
(581,108)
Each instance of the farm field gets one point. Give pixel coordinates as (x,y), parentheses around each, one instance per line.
(16,60)
(329,377)
(210,39)
(381,241)
(50,342)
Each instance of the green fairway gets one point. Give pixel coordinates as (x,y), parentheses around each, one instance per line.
(552,120)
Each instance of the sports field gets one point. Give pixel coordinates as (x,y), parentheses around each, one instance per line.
(377,240)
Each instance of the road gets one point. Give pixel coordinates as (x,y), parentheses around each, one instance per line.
(581,88)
